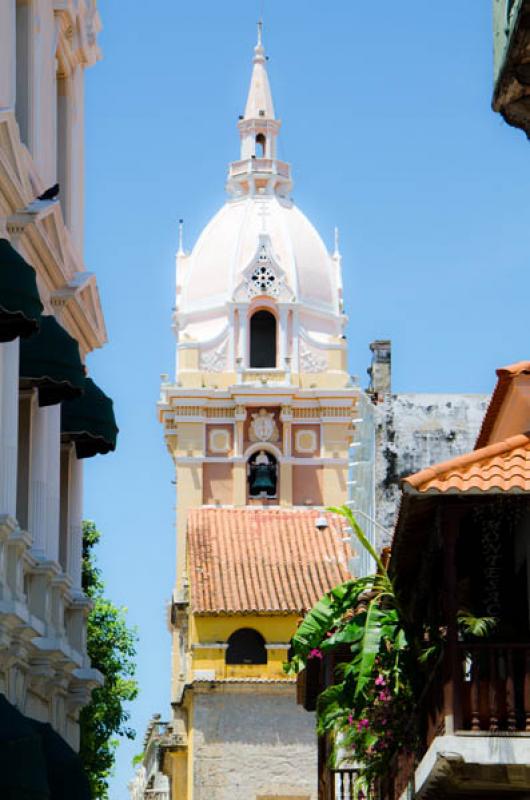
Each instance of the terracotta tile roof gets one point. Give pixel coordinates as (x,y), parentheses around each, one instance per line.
(504,378)
(500,467)
(266,560)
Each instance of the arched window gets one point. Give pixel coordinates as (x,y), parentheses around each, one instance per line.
(262,340)
(260,145)
(262,475)
(246,646)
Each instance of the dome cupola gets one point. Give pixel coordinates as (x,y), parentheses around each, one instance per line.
(259,253)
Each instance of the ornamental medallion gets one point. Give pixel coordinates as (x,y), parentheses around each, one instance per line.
(263,428)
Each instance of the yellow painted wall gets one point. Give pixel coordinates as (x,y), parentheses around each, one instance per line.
(216,629)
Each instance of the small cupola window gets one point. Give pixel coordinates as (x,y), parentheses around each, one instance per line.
(261,144)
(246,646)
(263,339)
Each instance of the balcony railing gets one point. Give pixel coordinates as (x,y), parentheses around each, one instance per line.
(260,165)
(481,689)
(345,786)
(495,688)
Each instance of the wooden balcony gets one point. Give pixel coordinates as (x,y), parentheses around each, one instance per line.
(475,706)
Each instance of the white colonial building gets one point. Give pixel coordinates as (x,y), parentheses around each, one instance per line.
(51,414)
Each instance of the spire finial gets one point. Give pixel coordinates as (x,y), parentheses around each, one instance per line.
(180,251)
(336,251)
(259,50)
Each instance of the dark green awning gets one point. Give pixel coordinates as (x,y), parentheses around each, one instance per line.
(23,768)
(66,777)
(89,422)
(50,361)
(20,305)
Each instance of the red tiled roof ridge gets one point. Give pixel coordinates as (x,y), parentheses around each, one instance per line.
(415,482)
(504,375)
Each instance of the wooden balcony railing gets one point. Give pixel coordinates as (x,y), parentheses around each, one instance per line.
(481,688)
(495,688)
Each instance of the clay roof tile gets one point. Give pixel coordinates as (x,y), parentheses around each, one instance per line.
(263,560)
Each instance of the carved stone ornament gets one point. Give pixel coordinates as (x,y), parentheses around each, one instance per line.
(263,427)
(310,361)
(214,360)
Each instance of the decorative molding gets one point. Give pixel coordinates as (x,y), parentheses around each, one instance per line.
(263,276)
(310,361)
(214,360)
(305,441)
(219,440)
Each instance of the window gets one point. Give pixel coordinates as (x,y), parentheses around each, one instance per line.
(260,145)
(262,340)
(246,646)
(23,69)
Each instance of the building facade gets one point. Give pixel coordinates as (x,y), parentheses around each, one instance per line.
(52,415)
(258,421)
(412,430)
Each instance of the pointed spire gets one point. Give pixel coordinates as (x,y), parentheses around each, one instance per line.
(180,251)
(336,251)
(259,101)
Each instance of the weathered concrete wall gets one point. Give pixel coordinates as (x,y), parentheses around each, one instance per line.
(414,431)
(250,745)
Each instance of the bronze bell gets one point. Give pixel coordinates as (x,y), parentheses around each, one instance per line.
(262,477)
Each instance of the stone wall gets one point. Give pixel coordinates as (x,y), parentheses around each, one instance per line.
(414,431)
(253,745)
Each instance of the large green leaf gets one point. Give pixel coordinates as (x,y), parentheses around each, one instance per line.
(369,646)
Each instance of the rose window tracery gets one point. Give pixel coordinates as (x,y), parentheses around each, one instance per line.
(263,280)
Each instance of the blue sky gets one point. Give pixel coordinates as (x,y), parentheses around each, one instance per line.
(387,123)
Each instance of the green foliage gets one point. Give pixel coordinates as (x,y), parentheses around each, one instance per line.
(111,648)
(475,626)
(369,711)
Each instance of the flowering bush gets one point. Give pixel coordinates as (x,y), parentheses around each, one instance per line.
(367,712)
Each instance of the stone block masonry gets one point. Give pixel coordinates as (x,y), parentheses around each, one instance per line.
(249,745)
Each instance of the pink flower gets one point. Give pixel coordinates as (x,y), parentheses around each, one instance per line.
(363,723)
(380,681)
(350,719)
(315,653)
(384,696)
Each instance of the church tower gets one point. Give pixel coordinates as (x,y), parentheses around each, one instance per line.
(258,422)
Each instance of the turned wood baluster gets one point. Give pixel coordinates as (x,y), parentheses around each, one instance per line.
(475,695)
(510,693)
(527,691)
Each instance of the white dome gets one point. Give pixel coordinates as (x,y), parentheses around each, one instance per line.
(228,244)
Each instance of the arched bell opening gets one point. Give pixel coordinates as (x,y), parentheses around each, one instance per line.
(261,145)
(246,646)
(262,473)
(263,340)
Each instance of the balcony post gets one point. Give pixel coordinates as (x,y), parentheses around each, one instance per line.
(452,671)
